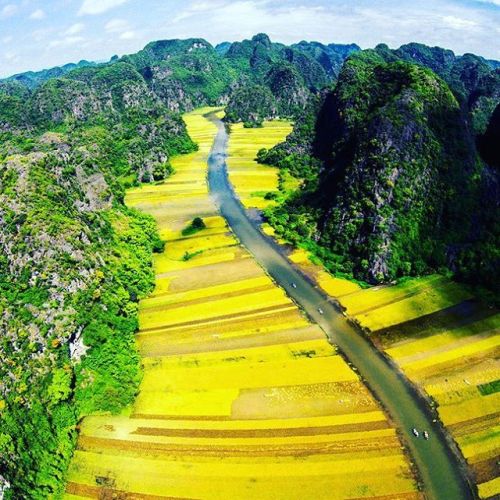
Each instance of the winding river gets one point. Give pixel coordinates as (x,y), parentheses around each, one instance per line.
(441,471)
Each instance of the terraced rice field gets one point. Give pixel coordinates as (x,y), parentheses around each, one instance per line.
(251,180)
(242,397)
(448,345)
(453,354)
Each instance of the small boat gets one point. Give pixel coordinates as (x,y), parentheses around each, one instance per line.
(425,434)
(415,432)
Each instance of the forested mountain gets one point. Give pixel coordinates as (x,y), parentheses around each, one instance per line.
(396,184)
(74,260)
(393,184)
(32,79)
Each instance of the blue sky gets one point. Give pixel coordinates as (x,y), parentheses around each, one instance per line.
(38,34)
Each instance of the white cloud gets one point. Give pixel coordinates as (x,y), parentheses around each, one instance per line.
(117,26)
(122,27)
(432,22)
(458,23)
(128,35)
(365,22)
(8,10)
(66,41)
(98,6)
(11,57)
(37,14)
(7,39)
(74,29)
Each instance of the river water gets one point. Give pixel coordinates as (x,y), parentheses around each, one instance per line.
(441,472)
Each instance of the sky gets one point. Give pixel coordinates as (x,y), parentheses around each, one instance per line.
(37,34)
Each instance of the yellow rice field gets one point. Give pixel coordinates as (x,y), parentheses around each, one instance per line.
(251,180)
(450,346)
(241,397)
(446,343)
(451,355)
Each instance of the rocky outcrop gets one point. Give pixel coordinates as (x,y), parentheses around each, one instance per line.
(399,187)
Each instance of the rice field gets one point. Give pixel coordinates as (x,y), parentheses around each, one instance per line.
(242,397)
(450,346)
(444,342)
(430,327)
(251,180)
(453,354)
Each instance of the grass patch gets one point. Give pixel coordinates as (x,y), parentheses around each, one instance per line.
(489,388)
(196,226)
(189,255)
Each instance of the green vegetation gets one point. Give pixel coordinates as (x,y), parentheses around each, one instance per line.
(380,179)
(196,225)
(252,105)
(489,388)
(390,185)
(189,255)
(75,261)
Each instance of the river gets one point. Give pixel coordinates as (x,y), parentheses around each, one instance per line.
(441,472)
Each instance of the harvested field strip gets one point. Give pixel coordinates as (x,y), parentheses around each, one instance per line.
(155,448)
(164,264)
(200,340)
(444,337)
(362,440)
(202,300)
(274,433)
(250,375)
(434,358)
(257,354)
(485,470)
(212,275)
(217,307)
(474,425)
(443,343)
(111,423)
(164,468)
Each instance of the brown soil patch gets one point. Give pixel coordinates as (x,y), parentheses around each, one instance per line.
(94,444)
(253,433)
(106,493)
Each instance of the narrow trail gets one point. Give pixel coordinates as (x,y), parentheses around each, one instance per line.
(440,470)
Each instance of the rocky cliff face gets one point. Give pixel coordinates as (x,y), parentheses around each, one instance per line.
(74,262)
(182,74)
(391,161)
(293,74)
(392,186)
(331,57)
